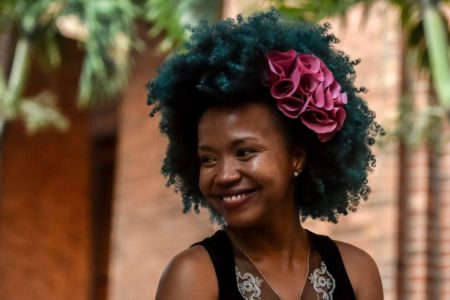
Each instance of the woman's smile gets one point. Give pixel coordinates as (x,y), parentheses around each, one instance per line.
(235,200)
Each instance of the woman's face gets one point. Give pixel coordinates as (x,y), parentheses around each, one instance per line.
(246,165)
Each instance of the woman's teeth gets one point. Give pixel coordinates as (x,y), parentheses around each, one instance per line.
(234,197)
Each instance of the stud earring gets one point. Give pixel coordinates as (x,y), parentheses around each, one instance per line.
(296,173)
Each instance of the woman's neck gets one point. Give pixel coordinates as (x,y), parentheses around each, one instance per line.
(281,241)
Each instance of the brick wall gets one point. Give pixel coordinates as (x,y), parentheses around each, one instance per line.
(44,204)
(438,226)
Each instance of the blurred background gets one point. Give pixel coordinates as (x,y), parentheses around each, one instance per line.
(84,211)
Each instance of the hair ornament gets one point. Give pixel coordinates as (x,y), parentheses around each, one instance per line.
(305,89)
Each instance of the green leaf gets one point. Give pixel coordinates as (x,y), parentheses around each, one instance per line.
(437,40)
(41,112)
(171,17)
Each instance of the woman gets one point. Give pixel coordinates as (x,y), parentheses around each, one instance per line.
(265,125)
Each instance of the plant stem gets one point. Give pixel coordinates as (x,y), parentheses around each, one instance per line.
(17,77)
(436,37)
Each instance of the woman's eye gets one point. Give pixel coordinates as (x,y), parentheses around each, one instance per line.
(245,153)
(207,160)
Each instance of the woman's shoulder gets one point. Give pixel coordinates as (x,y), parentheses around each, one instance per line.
(189,275)
(362,272)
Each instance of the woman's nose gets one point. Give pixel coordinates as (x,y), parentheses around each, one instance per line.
(228,173)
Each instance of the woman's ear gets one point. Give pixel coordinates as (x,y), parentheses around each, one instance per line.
(299,158)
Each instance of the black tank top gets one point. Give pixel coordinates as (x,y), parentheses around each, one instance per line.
(330,281)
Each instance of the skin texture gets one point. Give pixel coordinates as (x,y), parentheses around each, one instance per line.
(243,150)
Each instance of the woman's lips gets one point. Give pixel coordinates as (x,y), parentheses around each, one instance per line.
(235,200)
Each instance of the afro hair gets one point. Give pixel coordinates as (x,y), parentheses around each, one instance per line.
(222,65)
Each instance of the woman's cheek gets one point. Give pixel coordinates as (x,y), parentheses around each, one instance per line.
(259,166)
(201,182)
(256,163)
(206,179)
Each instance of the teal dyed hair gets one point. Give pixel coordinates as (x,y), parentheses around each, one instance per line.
(222,65)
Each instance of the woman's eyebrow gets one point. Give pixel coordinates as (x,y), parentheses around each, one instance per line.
(204,148)
(235,142)
(242,140)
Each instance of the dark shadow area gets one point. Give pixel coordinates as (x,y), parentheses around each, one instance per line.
(103,153)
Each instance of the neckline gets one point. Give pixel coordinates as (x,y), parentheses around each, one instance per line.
(274,290)
(310,247)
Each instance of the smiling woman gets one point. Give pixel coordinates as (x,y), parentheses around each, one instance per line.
(247,167)
(265,126)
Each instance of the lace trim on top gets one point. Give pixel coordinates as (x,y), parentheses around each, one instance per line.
(322,281)
(248,285)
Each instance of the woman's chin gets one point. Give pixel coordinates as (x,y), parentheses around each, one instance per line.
(247,219)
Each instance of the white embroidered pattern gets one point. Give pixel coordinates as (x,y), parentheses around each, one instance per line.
(323,282)
(249,286)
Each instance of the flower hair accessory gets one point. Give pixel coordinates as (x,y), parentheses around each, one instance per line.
(305,89)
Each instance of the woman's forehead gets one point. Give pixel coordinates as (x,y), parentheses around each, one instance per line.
(246,115)
(245,122)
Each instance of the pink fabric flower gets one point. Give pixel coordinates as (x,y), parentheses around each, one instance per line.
(293,107)
(280,63)
(283,88)
(281,66)
(309,63)
(305,88)
(325,123)
(308,84)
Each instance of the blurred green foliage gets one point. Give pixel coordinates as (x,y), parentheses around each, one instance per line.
(105,30)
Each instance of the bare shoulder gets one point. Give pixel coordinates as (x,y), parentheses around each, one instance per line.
(362,271)
(189,275)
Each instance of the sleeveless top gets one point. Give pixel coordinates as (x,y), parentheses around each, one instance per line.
(240,279)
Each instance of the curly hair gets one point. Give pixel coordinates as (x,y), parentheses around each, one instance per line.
(222,65)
